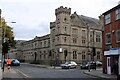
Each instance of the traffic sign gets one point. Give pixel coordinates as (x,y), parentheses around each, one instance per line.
(88,52)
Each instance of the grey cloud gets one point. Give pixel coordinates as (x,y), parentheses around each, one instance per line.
(27,33)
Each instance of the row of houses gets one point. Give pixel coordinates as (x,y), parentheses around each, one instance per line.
(71,37)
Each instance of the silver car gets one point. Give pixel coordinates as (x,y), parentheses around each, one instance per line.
(68,64)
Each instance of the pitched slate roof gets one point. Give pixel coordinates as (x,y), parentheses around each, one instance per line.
(81,20)
(89,20)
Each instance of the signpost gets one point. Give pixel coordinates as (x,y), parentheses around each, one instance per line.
(89,53)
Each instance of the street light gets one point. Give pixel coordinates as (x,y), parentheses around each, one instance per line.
(5,45)
(88,52)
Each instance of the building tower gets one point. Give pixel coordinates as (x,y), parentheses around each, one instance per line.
(60,32)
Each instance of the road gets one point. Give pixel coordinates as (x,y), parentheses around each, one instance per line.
(28,71)
(38,72)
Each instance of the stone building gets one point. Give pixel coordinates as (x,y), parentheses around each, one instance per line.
(70,33)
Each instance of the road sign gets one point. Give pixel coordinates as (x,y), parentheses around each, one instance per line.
(88,52)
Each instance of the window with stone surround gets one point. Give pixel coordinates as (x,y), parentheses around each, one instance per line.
(107,19)
(48,42)
(74,31)
(41,44)
(58,30)
(44,43)
(83,37)
(44,56)
(83,54)
(118,36)
(98,55)
(74,54)
(98,39)
(108,38)
(74,40)
(65,39)
(118,14)
(65,29)
(57,38)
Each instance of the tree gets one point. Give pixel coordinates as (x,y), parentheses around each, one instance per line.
(7,33)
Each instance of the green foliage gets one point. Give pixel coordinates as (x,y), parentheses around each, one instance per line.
(7,33)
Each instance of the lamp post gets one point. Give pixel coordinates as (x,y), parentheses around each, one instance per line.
(5,45)
(88,52)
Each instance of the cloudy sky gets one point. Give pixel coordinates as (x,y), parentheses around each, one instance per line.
(32,17)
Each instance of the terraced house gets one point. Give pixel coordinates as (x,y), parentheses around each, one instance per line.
(71,37)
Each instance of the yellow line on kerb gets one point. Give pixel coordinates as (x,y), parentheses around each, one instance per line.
(22,73)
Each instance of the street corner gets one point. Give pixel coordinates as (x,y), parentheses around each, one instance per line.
(99,74)
(11,73)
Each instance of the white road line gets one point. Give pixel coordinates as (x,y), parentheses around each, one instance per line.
(23,73)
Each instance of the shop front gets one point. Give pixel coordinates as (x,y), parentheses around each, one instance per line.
(112,56)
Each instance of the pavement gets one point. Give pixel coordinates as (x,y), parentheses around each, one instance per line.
(0,73)
(96,73)
(10,74)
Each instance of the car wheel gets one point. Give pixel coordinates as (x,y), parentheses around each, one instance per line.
(75,67)
(62,68)
(69,67)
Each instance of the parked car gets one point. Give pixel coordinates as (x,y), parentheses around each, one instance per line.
(69,64)
(15,62)
(0,61)
(87,64)
(98,63)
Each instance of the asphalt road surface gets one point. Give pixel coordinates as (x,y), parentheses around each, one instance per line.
(33,72)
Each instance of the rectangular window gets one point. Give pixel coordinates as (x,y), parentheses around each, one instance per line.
(83,37)
(98,55)
(83,41)
(83,55)
(97,37)
(65,28)
(74,40)
(108,38)
(48,42)
(74,54)
(91,36)
(65,39)
(41,44)
(74,31)
(118,14)
(58,30)
(107,19)
(45,44)
(118,36)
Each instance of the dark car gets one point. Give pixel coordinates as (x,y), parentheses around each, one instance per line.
(15,62)
(87,64)
(68,64)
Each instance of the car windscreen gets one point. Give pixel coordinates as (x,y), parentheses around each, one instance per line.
(16,61)
(68,63)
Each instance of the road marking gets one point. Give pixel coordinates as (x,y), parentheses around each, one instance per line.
(23,73)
